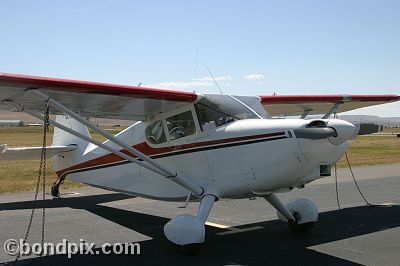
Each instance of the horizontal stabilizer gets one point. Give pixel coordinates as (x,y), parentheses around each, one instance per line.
(31,153)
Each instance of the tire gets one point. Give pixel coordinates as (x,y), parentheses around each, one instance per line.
(188,250)
(303,228)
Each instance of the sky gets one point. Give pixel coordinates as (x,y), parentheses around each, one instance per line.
(250,47)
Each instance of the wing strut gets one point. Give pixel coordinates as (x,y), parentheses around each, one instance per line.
(332,110)
(84,137)
(112,138)
(148,163)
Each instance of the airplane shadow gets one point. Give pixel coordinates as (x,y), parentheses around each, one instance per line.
(273,244)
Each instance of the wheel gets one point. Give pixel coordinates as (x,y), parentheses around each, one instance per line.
(305,215)
(55,191)
(303,228)
(188,250)
(186,232)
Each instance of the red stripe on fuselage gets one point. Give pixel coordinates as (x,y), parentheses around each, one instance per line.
(150,151)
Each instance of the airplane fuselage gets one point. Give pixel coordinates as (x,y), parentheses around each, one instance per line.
(240,159)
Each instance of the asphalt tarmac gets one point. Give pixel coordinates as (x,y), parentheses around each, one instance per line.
(239,232)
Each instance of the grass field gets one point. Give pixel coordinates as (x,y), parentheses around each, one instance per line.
(22,175)
(372,150)
(18,176)
(392,130)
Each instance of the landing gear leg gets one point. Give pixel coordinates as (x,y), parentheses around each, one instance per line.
(280,207)
(186,231)
(55,188)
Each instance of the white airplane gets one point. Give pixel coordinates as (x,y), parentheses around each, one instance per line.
(188,146)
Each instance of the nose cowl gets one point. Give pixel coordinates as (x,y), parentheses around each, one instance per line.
(344,131)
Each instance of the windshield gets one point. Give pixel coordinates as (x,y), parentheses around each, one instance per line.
(217,110)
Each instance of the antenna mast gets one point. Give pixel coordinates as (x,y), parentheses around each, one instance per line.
(215,81)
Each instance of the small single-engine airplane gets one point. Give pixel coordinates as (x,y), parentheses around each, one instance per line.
(188,146)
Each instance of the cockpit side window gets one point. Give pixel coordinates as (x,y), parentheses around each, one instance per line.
(155,133)
(181,125)
(210,118)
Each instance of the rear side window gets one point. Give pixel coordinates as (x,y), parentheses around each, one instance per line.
(181,125)
(155,133)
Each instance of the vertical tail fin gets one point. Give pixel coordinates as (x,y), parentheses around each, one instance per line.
(62,137)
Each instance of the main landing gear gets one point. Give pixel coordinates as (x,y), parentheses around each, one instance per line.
(187,232)
(300,214)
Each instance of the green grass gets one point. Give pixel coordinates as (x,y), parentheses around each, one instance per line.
(16,176)
(373,150)
(392,130)
(22,175)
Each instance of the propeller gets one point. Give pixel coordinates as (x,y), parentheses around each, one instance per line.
(336,130)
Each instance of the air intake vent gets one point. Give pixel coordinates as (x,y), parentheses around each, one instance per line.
(325,170)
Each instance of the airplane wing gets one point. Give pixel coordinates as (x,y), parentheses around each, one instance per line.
(92,99)
(288,105)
